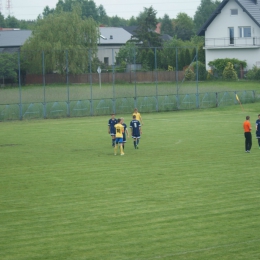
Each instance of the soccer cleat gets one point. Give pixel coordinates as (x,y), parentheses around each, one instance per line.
(122,154)
(137,147)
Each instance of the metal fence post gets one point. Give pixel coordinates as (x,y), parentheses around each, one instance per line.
(197,78)
(156,78)
(67,82)
(20,87)
(176,76)
(135,97)
(43,83)
(90,81)
(113,71)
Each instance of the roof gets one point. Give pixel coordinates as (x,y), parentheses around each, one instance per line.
(14,38)
(251,7)
(166,37)
(130,29)
(113,36)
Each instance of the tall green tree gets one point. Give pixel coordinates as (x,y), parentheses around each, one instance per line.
(89,8)
(145,31)
(116,21)
(2,21)
(8,67)
(204,11)
(12,22)
(167,26)
(183,27)
(58,35)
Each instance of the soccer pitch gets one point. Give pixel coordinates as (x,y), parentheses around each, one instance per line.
(189,192)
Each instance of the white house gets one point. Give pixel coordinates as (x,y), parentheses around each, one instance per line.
(233,31)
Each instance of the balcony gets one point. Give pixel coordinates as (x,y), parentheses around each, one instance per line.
(245,42)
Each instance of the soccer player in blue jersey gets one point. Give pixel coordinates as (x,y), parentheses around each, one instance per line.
(119,136)
(257,126)
(111,128)
(125,132)
(136,131)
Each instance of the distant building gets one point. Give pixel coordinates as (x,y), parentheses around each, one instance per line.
(11,40)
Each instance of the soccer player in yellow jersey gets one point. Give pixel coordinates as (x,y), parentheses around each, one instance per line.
(119,136)
(138,116)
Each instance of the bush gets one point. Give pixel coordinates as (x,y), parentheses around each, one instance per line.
(189,74)
(229,72)
(219,65)
(253,74)
(202,72)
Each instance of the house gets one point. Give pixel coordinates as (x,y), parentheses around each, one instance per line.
(233,31)
(110,41)
(11,40)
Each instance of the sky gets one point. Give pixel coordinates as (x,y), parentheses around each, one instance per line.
(30,9)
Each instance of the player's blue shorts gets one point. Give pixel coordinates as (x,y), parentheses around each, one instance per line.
(119,140)
(112,131)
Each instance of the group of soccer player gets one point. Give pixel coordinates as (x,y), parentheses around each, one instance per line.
(118,131)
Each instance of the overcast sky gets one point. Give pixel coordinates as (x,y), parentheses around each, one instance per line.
(30,9)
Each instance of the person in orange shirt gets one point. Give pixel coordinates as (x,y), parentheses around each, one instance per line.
(247,132)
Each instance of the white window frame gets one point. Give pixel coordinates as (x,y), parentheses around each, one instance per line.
(233,12)
(241,31)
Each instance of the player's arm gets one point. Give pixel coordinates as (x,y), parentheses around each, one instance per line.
(141,120)
(109,129)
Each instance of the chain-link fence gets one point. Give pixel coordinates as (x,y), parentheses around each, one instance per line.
(72,83)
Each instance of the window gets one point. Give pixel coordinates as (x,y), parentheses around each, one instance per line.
(233,11)
(106,60)
(244,32)
(231,35)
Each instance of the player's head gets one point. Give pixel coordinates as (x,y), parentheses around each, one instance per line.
(259,116)
(135,110)
(119,120)
(113,115)
(134,116)
(122,120)
(247,117)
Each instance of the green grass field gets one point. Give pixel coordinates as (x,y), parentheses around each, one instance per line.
(84,91)
(189,192)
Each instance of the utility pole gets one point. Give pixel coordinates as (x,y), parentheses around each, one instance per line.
(8,7)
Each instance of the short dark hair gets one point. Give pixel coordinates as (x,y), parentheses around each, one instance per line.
(134,116)
(258,114)
(118,120)
(247,117)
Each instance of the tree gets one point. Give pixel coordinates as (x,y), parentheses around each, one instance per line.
(167,27)
(126,53)
(11,22)
(145,31)
(2,21)
(204,11)
(103,18)
(8,67)
(132,21)
(58,35)
(183,27)
(47,11)
(187,58)
(116,21)
(89,8)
